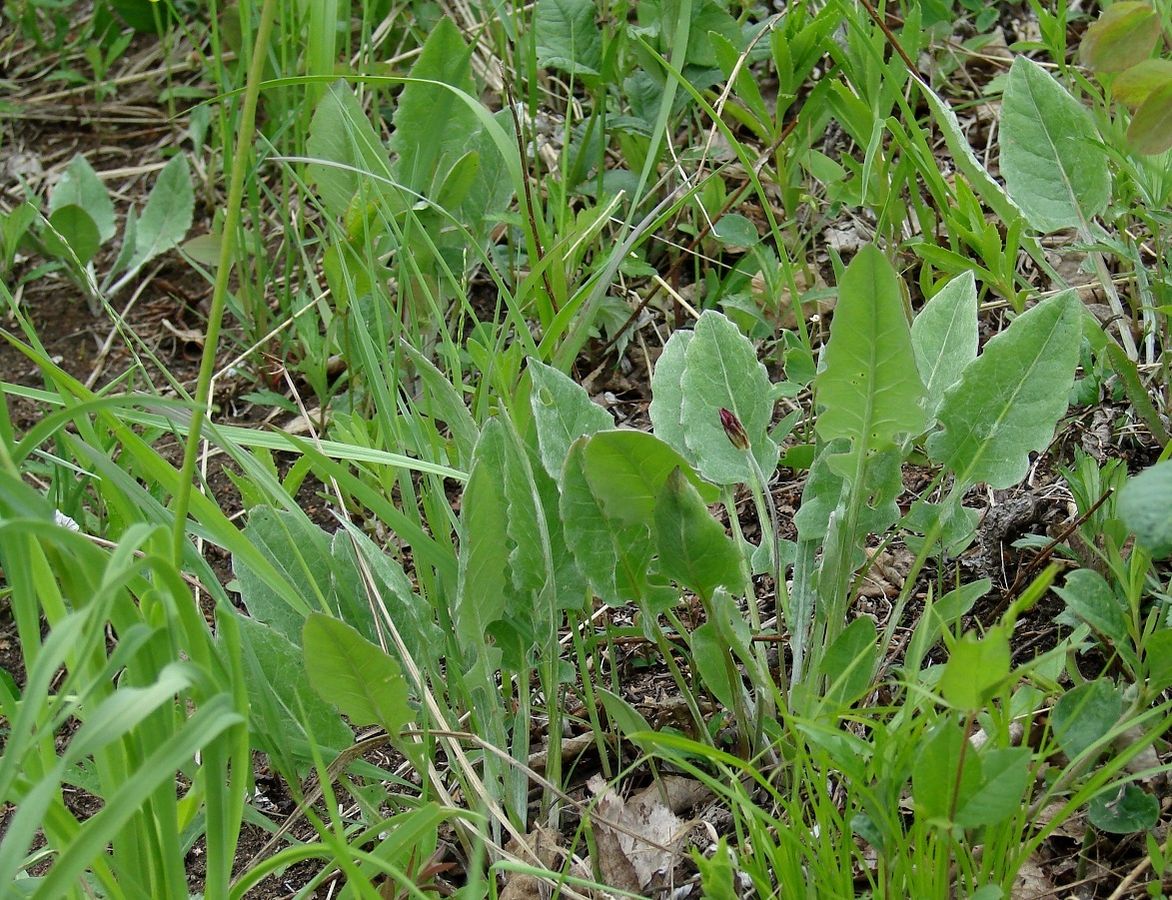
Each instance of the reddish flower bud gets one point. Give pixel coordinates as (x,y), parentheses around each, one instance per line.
(734,429)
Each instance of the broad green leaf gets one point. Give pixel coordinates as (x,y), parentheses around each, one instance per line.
(411,614)
(622,714)
(1053,164)
(1145,506)
(1122,36)
(614,556)
(667,393)
(431,122)
(1083,715)
(1150,131)
(458,181)
(849,663)
(976,669)
(504,552)
(1005,780)
(295,718)
(710,656)
(870,390)
(1158,656)
(80,186)
(627,469)
(734,230)
(300,551)
(1124,810)
(167,215)
(721,371)
(934,776)
(693,547)
(355,675)
(1089,596)
(562,412)
(944,337)
(78,234)
(567,36)
(341,136)
(1009,399)
(1131,88)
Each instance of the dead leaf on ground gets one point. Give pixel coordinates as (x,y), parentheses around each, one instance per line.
(546,845)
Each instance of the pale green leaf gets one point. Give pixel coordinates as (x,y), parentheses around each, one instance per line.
(562,413)
(1145,506)
(294,716)
(1005,779)
(1122,36)
(80,186)
(167,215)
(667,393)
(1053,165)
(1088,595)
(1009,399)
(355,675)
(72,233)
(431,121)
(870,390)
(1084,714)
(721,370)
(944,337)
(1132,87)
(341,136)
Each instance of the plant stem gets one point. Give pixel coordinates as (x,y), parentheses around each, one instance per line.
(182,499)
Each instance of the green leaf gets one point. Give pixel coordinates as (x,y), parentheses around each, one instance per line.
(615,556)
(340,134)
(849,664)
(870,390)
(300,552)
(721,370)
(1083,715)
(1131,88)
(505,560)
(167,215)
(1150,131)
(431,122)
(1005,780)
(1009,399)
(1124,810)
(562,412)
(1158,656)
(733,230)
(293,717)
(567,36)
(80,186)
(667,393)
(355,675)
(458,181)
(693,547)
(626,471)
(1089,596)
(1122,36)
(622,714)
(710,656)
(442,401)
(78,234)
(934,776)
(1145,506)
(1054,166)
(976,669)
(944,337)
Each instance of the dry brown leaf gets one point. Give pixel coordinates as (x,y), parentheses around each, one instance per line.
(545,844)
(638,853)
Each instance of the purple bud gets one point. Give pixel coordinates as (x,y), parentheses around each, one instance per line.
(734,429)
